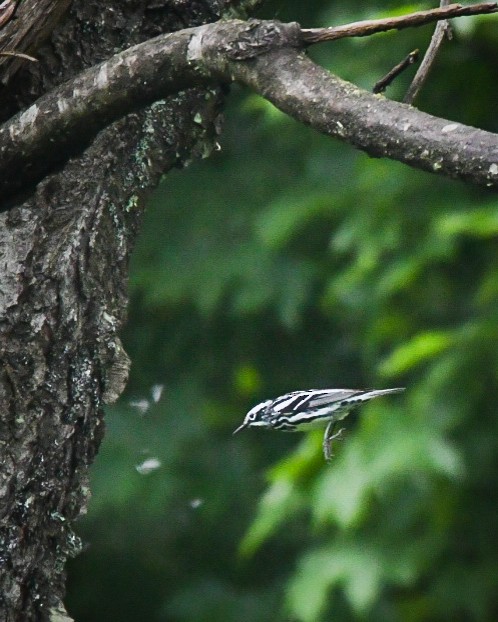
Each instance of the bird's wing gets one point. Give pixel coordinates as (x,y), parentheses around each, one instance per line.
(330,396)
(311,399)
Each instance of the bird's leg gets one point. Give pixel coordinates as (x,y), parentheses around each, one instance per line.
(328,437)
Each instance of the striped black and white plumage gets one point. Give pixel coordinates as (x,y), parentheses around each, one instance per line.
(305,410)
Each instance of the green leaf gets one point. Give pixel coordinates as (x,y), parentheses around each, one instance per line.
(478,223)
(418,350)
(287,216)
(361,566)
(309,588)
(280,501)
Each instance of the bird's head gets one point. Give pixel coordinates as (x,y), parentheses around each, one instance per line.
(256,417)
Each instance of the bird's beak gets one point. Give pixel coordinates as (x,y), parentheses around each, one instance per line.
(241,427)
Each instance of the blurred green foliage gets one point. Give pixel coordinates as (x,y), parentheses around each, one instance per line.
(290,261)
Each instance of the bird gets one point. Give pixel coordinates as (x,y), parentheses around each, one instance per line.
(309,409)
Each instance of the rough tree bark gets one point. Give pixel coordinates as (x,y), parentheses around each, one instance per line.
(64,249)
(65,242)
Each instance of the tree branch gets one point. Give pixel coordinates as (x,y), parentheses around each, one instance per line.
(381,85)
(441,31)
(370,27)
(267,57)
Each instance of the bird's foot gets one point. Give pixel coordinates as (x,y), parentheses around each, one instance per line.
(327,442)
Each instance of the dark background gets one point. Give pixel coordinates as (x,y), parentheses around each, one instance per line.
(288,261)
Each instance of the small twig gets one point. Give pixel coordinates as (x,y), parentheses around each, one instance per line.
(365,28)
(381,85)
(20,55)
(442,30)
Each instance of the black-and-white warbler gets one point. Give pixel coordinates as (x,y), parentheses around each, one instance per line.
(305,410)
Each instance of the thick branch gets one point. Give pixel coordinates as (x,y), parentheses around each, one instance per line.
(65,120)
(266,57)
(372,123)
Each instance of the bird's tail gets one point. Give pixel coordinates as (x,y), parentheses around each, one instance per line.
(370,395)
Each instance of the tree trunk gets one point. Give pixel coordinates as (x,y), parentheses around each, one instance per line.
(64,249)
